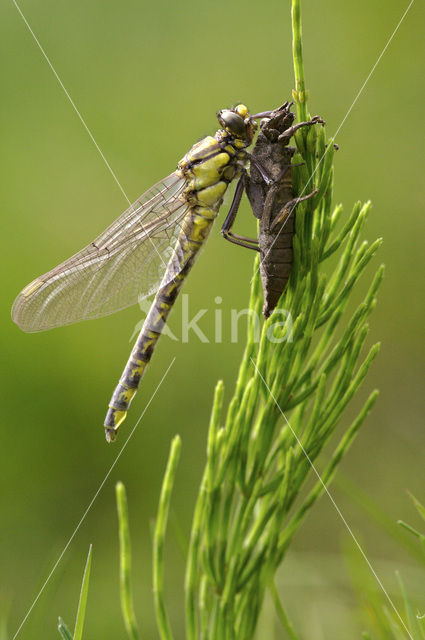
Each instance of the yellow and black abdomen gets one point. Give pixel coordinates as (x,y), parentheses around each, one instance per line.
(207,168)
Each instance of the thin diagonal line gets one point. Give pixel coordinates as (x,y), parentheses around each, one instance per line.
(374,67)
(92,501)
(82,120)
(338,510)
(360,91)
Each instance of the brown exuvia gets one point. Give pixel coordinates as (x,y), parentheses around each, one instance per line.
(274,204)
(269,189)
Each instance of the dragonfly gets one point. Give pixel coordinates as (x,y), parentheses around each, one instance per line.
(128,261)
(272,200)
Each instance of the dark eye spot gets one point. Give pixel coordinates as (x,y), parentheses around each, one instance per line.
(232,121)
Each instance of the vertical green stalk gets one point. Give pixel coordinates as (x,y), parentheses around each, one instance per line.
(300,95)
(125,564)
(82,604)
(159,538)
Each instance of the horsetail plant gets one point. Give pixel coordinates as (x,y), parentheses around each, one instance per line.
(291,391)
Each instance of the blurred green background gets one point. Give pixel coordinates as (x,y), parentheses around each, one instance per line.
(148,79)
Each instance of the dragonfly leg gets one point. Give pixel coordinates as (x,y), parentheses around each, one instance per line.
(262,114)
(291,130)
(268,114)
(242,241)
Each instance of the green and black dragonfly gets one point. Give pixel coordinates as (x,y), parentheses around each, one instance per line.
(127,261)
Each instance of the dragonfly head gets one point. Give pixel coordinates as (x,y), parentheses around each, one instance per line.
(238,122)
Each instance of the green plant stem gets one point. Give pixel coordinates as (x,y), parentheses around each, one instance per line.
(62,628)
(125,564)
(82,604)
(300,94)
(159,538)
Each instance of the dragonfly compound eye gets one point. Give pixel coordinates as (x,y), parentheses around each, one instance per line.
(232,122)
(242,110)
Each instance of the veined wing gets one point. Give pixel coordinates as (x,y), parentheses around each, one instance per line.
(122,265)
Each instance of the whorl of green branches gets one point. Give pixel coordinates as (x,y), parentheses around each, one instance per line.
(289,399)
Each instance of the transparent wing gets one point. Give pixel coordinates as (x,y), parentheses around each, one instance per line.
(124,264)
